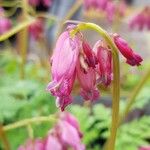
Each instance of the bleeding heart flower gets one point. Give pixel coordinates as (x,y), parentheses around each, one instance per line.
(30,144)
(104,63)
(133,59)
(64,61)
(87,80)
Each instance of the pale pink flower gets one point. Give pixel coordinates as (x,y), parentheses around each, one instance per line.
(144,148)
(52,143)
(36,144)
(104,62)
(87,81)
(133,59)
(5,25)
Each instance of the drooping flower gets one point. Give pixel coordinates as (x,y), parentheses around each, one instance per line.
(133,59)
(144,148)
(104,62)
(64,61)
(36,29)
(90,57)
(141,20)
(30,144)
(65,134)
(87,81)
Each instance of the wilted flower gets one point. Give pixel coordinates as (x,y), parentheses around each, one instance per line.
(36,29)
(132,58)
(141,20)
(144,148)
(30,144)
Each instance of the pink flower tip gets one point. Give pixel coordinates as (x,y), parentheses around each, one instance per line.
(133,59)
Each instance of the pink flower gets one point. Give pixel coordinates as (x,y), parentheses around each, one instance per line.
(64,61)
(90,57)
(104,62)
(141,20)
(35,3)
(5,25)
(87,80)
(65,135)
(36,144)
(110,11)
(68,117)
(52,143)
(144,148)
(36,29)
(132,58)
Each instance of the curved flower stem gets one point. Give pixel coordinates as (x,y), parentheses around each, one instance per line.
(110,145)
(133,96)
(26,122)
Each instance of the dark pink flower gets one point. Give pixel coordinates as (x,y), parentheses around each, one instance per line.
(36,144)
(36,29)
(104,63)
(87,81)
(5,25)
(90,57)
(144,148)
(133,59)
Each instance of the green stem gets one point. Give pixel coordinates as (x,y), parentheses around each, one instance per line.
(26,122)
(110,145)
(16,29)
(133,96)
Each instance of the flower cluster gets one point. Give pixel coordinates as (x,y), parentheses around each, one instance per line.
(5,23)
(109,7)
(73,58)
(65,135)
(46,3)
(141,20)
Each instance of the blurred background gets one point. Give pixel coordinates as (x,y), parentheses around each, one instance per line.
(25,50)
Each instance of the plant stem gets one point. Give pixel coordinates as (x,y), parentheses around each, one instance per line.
(133,96)
(23,39)
(110,145)
(26,122)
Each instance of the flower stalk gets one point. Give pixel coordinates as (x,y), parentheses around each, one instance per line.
(110,144)
(27,122)
(133,96)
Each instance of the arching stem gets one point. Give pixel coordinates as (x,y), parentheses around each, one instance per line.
(110,144)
